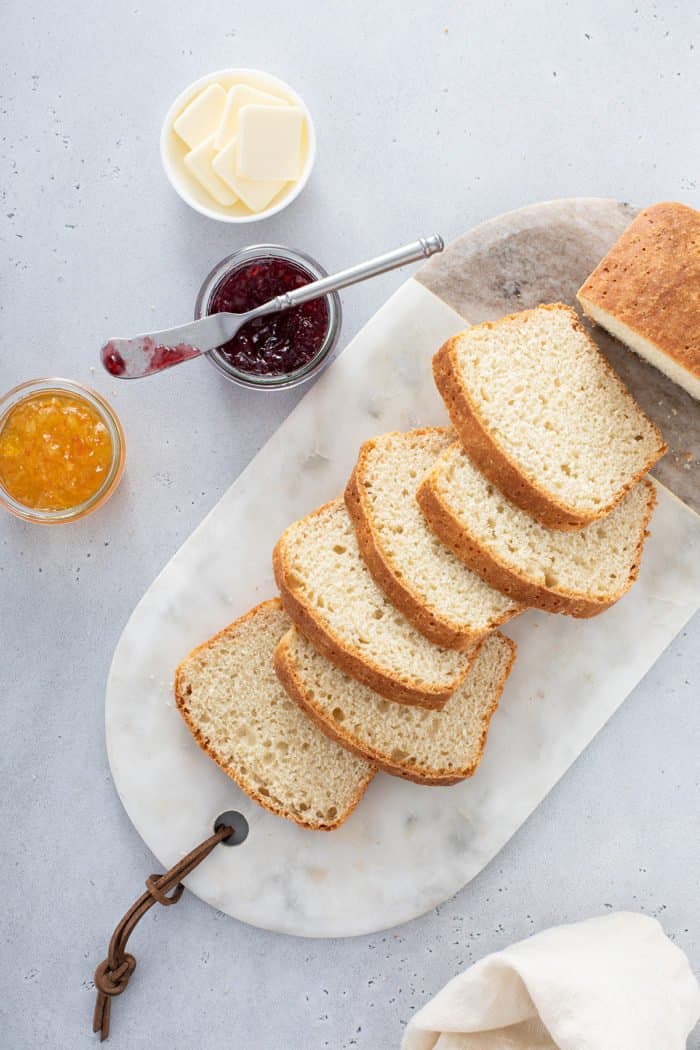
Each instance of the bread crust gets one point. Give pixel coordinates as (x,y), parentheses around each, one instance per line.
(426,619)
(499,574)
(494,462)
(286,672)
(266,803)
(348,659)
(650,282)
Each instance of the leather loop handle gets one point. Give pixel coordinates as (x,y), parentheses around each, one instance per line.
(113,973)
(153,886)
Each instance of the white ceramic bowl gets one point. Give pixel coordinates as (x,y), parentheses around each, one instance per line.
(173,149)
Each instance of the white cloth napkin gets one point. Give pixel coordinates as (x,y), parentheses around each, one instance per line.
(612,983)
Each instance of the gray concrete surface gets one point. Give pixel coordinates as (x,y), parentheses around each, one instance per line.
(430,116)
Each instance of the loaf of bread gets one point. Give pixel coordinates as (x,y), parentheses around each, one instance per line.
(382,651)
(544,416)
(430,747)
(581,573)
(232,701)
(329,593)
(442,598)
(646,291)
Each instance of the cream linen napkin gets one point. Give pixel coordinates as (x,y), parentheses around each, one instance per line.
(612,983)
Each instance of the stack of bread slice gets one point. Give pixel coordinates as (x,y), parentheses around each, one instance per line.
(384,651)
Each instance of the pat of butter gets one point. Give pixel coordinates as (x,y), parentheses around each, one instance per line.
(202,117)
(269,142)
(256,194)
(238,96)
(199,163)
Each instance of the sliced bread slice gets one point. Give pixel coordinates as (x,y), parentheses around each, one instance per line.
(237,711)
(544,416)
(442,598)
(580,573)
(430,747)
(330,595)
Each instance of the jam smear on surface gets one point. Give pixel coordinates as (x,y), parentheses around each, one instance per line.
(149,357)
(279,343)
(165,356)
(113,361)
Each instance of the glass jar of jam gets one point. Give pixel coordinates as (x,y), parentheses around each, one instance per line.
(62,451)
(282,349)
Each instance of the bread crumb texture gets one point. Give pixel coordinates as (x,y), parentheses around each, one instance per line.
(388,473)
(429,746)
(553,405)
(322,567)
(232,701)
(597,562)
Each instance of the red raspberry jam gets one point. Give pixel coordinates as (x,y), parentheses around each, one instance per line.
(279,343)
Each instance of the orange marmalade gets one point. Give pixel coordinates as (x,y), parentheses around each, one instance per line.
(55,451)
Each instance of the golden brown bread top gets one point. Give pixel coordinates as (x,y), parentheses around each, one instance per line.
(650,280)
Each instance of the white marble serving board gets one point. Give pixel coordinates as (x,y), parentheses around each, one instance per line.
(406,848)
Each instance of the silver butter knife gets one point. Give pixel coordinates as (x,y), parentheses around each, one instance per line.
(151,352)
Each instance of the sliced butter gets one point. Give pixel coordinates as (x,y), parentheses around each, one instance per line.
(199,163)
(256,194)
(269,142)
(238,96)
(202,117)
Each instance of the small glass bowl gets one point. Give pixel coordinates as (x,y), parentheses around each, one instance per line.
(116,434)
(242,258)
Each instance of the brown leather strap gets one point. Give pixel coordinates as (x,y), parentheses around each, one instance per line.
(113,973)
